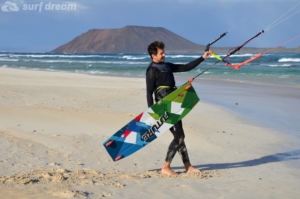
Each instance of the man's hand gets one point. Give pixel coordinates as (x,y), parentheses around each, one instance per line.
(207,54)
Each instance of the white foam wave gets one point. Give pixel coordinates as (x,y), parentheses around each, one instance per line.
(93,72)
(184,56)
(133,57)
(87,62)
(277,65)
(286,65)
(284,76)
(289,60)
(243,55)
(7,59)
(60,56)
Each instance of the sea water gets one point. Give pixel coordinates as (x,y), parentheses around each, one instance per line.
(277,68)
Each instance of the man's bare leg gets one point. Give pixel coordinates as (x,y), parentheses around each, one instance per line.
(166,169)
(190,169)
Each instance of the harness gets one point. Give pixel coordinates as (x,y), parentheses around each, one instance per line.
(163,91)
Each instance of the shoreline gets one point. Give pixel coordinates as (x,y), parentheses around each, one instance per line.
(182,78)
(52,126)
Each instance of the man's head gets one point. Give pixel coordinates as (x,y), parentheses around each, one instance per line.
(156,51)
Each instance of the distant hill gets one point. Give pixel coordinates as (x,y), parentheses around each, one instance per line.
(135,39)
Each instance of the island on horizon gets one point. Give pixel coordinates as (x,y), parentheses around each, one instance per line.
(135,39)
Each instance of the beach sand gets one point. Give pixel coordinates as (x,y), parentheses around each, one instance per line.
(53,124)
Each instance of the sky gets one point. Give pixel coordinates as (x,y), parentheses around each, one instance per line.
(41,26)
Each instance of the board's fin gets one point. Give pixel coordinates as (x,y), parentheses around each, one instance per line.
(119,157)
(109,143)
(187,87)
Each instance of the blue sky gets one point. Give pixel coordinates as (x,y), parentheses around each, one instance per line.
(40,26)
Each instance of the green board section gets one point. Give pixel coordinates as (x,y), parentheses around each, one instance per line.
(185,97)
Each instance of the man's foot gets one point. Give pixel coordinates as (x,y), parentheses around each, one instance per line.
(166,169)
(190,169)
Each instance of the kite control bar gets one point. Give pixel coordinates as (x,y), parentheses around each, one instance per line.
(211,43)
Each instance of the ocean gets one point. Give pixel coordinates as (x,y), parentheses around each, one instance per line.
(276,68)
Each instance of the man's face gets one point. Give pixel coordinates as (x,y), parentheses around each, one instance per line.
(159,57)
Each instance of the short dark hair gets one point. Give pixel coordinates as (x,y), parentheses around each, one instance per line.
(152,48)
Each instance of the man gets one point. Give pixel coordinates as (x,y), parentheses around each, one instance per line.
(160,81)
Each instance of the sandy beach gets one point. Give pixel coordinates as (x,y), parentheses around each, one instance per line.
(53,124)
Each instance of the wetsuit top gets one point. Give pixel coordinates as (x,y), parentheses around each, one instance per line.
(161,74)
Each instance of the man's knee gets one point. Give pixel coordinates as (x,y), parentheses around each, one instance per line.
(179,137)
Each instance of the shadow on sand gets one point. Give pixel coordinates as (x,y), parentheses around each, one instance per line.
(279,157)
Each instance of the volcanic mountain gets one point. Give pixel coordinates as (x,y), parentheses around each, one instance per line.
(135,39)
(129,39)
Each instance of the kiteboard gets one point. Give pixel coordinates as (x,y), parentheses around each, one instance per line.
(152,123)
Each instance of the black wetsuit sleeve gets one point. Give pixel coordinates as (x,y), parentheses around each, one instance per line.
(150,84)
(186,67)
